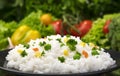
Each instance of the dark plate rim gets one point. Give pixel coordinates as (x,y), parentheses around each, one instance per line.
(114,67)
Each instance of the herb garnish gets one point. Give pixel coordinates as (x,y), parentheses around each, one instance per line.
(42,43)
(43,53)
(59,40)
(47,47)
(77,56)
(62,44)
(94,51)
(24,53)
(26,46)
(61,59)
(71,44)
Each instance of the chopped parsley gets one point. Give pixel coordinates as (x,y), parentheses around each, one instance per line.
(61,59)
(42,43)
(94,51)
(43,53)
(24,53)
(26,46)
(47,47)
(77,56)
(62,44)
(73,48)
(67,35)
(49,39)
(59,40)
(71,44)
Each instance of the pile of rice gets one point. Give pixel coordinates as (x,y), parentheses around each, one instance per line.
(58,54)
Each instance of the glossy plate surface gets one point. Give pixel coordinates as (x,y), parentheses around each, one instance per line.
(115,55)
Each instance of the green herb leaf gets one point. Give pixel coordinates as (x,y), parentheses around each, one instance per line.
(49,39)
(71,42)
(72,48)
(77,56)
(47,47)
(61,59)
(24,53)
(43,53)
(94,52)
(62,45)
(67,35)
(59,40)
(42,43)
(26,45)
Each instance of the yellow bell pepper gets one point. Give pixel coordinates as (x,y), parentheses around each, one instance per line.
(24,34)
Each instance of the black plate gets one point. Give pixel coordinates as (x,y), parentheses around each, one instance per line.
(115,55)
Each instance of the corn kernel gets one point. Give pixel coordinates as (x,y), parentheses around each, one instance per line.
(92,45)
(66,53)
(19,51)
(65,39)
(37,54)
(82,44)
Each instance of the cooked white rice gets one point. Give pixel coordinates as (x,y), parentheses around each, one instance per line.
(58,57)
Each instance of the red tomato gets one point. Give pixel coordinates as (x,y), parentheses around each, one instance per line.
(105,27)
(82,28)
(58,27)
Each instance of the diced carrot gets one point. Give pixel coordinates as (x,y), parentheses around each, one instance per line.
(85,54)
(35,49)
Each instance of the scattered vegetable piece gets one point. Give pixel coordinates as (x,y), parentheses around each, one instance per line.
(62,44)
(43,53)
(66,52)
(85,54)
(94,51)
(77,56)
(42,43)
(19,51)
(47,47)
(66,39)
(24,53)
(91,44)
(61,59)
(82,44)
(37,54)
(35,49)
(59,40)
(26,45)
(71,44)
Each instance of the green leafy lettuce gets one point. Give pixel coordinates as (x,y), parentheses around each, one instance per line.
(6,30)
(96,35)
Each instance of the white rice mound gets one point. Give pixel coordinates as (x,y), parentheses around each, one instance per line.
(37,62)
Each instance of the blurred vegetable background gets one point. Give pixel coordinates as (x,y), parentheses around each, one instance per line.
(88,9)
(96,21)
